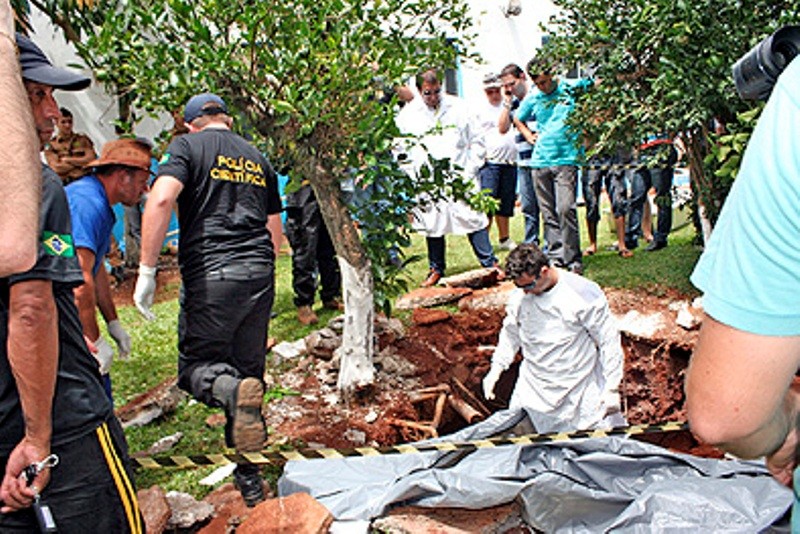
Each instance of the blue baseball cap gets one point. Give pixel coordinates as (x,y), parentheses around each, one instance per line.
(203,104)
(37,68)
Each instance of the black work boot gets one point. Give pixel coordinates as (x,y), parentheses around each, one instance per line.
(247,479)
(249,430)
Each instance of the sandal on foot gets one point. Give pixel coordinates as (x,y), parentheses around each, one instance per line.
(625,253)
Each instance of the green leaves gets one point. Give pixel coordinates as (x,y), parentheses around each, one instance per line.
(665,66)
(300,77)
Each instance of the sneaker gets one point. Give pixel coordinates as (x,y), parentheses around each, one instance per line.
(333,304)
(507,244)
(306,316)
(247,479)
(249,429)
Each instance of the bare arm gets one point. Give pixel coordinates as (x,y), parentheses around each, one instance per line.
(504,122)
(86,296)
(275,227)
(33,358)
(20,174)
(739,394)
(156,215)
(529,135)
(102,291)
(57,163)
(88,154)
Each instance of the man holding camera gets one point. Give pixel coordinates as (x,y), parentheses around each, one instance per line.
(741,390)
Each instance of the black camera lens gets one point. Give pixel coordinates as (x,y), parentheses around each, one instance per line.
(757,71)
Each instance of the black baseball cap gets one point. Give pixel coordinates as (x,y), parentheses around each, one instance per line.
(203,104)
(37,68)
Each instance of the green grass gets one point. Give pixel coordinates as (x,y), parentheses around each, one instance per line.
(657,273)
(154,356)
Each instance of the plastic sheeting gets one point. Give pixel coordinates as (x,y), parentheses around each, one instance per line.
(587,485)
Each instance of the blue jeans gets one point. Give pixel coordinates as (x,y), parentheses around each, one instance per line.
(481,246)
(530,204)
(660,177)
(613,178)
(501,181)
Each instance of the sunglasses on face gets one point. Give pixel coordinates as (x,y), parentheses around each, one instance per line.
(530,286)
(429,92)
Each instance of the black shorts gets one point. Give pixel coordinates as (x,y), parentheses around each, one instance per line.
(90,490)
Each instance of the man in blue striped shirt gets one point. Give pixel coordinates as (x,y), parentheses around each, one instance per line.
(515,88)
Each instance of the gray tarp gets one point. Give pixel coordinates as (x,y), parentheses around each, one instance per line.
(587,485)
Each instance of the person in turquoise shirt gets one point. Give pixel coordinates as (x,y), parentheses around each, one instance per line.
(741,390)
(555,160)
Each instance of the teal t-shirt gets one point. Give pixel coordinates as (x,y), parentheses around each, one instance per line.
(557,143)
(750,270)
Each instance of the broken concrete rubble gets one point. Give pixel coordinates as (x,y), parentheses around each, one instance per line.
(504,519)
(474,279)
(298,513)
(186,510)
(430,297)
(166,443)
(149,406)
(155,509)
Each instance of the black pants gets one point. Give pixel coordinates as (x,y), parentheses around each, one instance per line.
(312,254)
(222,329)
(90,490)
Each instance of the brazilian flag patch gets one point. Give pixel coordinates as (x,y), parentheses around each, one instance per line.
(58,244)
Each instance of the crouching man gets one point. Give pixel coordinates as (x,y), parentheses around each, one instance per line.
(572,358)
(229,214)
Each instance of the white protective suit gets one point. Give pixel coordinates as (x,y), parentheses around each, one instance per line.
(447,132)
(572,356)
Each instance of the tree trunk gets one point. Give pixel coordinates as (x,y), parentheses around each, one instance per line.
(702,185)
(356,370)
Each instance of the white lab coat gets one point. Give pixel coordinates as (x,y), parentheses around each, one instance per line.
(446,132)
(571,354)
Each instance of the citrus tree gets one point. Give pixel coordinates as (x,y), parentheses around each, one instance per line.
(665,67)
(304,80)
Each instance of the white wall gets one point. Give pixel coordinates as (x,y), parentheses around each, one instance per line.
(502,40)
(93,109)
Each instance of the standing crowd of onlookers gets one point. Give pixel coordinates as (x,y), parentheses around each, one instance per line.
(518,147)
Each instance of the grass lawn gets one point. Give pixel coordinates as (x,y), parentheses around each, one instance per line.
(154,356)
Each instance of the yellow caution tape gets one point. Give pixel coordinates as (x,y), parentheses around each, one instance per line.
(281,457)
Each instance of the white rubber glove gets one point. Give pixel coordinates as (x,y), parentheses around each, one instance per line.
(104,354)
(610,402)
(490,380)
(121,337)
(145,291)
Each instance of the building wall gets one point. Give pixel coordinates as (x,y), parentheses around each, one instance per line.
(94,111)
(503,39)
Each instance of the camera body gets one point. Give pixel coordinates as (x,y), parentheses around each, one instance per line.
(756,72)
